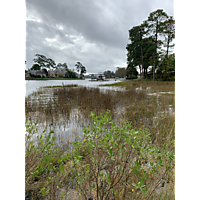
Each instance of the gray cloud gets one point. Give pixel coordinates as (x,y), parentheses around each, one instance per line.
(92,32)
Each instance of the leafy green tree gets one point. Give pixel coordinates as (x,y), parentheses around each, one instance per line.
(44,62)
(148,49)
(83,71)
(107,74)
(135,49)
(36,67)
(140,50)
(156,27)
(166,70)
(80,68)
(62,65)
(65,65)
(112,74)
(167,64)
(169,32)
(50,63)
(59,65)
(120,72)
(131,72)
(70,74)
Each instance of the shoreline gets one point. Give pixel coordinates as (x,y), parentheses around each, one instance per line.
(45,79)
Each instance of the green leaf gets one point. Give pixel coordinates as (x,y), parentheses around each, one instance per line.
(133,184)
(142,190)
(63,195)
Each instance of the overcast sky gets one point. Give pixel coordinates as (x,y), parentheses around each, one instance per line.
(93,32)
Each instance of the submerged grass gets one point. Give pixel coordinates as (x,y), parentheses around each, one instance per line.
(58,86)
(145,105)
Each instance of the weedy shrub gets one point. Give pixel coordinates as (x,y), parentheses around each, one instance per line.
(45,165)
(112,161)
(116,161)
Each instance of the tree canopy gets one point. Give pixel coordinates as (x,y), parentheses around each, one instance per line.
(148,41)
(120,72)
(109,74)
(36,67)
(80,68)
(42,61)
(62,65)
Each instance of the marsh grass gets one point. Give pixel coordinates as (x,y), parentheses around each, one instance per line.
(59,86)
(146,105)
(157,85)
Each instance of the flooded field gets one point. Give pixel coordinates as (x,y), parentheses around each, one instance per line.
(66,109)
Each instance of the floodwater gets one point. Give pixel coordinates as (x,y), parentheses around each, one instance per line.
(33,85)
(66,128)
(68,124)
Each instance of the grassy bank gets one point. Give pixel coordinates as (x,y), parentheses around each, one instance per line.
(125,153)
(144,82)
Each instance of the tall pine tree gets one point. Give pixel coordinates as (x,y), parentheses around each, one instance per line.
(156,26)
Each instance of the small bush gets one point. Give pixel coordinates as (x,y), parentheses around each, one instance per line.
(131,76)
(45,169)
(117,161)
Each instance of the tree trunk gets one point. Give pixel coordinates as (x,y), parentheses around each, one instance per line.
(146,73)
(140,70)
(142,59)
(168,52)
(154,68)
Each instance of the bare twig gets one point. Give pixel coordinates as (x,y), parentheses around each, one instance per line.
(156,185)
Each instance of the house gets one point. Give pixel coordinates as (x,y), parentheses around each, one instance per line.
(37,73)
(60,72)
(51,73)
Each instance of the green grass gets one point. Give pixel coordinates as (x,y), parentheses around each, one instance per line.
(138,81)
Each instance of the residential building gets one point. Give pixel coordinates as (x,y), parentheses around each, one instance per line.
(42,73)
(60,72)
(51,73)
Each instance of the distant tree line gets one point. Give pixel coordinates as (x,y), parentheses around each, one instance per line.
(42,63)
(150,47)
(109,74)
